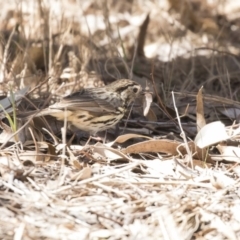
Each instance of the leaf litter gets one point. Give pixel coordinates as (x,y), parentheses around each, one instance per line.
(145,183)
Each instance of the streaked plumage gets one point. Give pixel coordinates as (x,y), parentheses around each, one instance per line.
(96,109)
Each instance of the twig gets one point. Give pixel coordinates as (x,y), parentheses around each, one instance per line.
(182,132)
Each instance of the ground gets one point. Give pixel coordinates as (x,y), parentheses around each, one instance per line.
(170,170)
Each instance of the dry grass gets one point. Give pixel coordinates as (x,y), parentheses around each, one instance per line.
(152,180)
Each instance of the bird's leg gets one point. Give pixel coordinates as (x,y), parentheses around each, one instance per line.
(96,138)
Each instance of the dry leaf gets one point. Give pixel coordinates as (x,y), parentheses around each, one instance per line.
(126,137)
(201,122)
(108,153)
(211,134)
(229,153)
(147,103)
(164,146)
(83,174)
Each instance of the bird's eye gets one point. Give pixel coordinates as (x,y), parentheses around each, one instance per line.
(135,90)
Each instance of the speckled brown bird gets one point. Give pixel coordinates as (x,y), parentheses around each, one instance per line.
(96,109)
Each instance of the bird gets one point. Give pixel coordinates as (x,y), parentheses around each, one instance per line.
(95,109)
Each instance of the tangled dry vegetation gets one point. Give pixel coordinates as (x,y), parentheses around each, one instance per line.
(172,174)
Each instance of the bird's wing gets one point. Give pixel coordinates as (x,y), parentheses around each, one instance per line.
(84,100)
